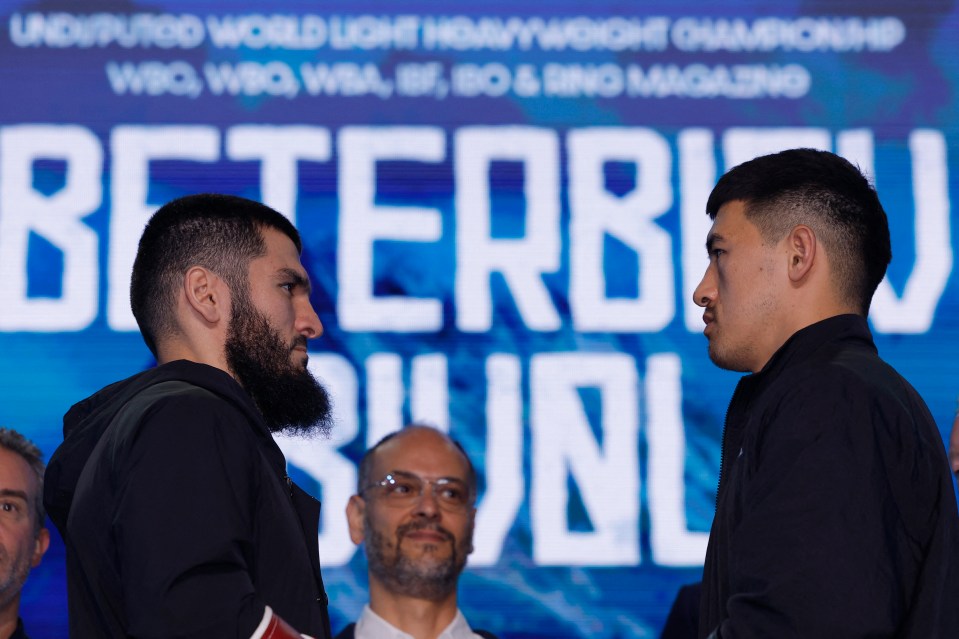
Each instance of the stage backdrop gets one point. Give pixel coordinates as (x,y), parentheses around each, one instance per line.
(502,207)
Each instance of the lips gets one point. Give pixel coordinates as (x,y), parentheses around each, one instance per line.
(709,318)
(428,533)
(299,347)
(426,536)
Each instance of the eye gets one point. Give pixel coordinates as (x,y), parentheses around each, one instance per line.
(288,286)
(9,507)
(401,488)
(452,492)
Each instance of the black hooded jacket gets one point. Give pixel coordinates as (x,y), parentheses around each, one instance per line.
(179,519)
(836,515)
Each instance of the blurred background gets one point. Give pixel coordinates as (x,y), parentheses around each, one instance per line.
(502,206)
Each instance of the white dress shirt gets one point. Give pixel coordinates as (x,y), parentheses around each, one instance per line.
(372,626)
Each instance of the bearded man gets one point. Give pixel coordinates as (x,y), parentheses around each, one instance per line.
(415,511)
(169,491)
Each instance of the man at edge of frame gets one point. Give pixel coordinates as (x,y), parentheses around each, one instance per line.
(169,490)
(835,515)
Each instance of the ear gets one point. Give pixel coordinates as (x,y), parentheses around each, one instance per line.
(472,525)
(355,514)
(43,542)
(205,293)
(801,249)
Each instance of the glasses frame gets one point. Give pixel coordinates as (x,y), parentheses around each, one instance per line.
(391,480)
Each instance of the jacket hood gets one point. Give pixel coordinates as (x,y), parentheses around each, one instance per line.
(86,422)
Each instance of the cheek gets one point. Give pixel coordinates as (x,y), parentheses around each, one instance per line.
(19,543)
(724,288)
(385,524)
(732,282)
(278,314)
(274,305)
(461,530)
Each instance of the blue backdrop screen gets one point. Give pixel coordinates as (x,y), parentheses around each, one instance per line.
(502,207)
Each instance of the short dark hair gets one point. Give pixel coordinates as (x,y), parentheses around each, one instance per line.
(219,232)
(826,193)
(18,444)
(363,479)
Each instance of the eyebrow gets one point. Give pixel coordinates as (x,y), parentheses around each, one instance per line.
(711,240)
(9,492)
(406,473)
(296,278)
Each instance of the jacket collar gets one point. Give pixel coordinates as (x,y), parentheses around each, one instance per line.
(800,347)
(806,341)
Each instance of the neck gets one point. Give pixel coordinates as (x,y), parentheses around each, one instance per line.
(421,618)
(172,352)
(9,614)
(799,312)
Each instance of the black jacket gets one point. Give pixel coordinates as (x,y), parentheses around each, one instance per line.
(682,622)
(178,517)
(835,515)
(19,632)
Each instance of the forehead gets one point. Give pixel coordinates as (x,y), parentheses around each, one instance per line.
(280,253)
(16,474)
(732,224)
(424,452)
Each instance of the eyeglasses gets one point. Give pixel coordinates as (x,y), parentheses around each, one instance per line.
(401,490)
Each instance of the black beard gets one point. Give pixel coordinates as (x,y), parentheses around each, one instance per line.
(288,396)
(430,581)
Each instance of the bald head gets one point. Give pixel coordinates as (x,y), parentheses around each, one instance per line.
(414,440)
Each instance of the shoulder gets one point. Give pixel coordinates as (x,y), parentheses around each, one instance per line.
(180,419)
(180,405)
(845,380)
(188,386)
(849,404)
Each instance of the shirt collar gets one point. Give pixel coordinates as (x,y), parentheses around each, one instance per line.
(372,626)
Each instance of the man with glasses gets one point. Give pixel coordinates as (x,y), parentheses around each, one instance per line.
(415,510)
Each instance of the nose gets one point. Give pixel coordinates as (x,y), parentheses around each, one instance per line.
(307,321)
(705,292)
(427,505)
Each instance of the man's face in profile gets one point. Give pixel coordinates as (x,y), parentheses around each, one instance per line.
(741,292)
(266,343)
(21,544)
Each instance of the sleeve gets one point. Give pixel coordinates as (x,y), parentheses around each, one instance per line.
(821,550)
(683,618)
(184,522)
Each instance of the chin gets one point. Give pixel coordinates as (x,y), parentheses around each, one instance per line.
(729,364)
(720,358)
(299,360)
